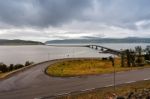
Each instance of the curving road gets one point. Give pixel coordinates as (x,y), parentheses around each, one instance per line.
(33,83)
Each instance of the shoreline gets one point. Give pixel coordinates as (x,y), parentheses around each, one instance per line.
(12,73)
(51,86)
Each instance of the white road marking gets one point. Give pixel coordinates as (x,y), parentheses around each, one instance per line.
(88,89)
(63,93)
(147,79)
(130,82)
(108,86)
(85,89)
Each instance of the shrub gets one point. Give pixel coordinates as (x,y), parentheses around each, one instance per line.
(27,63)
(11,67)
(17,66)
(3,67)
(104,58)
(146,57)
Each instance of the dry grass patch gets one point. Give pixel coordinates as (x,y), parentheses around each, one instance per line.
(80,67)
(2,75)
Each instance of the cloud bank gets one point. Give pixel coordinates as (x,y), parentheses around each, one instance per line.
(63,19)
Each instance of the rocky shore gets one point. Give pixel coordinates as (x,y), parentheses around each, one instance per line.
(136,94)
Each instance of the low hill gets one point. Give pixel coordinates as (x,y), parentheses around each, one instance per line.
(101,40)
(19,42)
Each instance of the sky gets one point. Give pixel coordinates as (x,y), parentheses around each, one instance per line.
(42,20)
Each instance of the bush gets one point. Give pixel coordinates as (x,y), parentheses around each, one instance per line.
(11,67)
(17,66)
(147,57)
(104,58)
(3,67)
(27,63)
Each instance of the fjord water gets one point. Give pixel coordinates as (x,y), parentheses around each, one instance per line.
(39,53)
(36,53)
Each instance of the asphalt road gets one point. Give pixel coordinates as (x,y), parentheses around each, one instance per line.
(33,83)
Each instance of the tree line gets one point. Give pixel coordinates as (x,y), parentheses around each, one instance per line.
(136,57)
(5,68)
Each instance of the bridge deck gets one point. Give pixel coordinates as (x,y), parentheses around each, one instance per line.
(103,47)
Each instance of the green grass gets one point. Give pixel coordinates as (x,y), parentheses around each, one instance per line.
(102,93)
(79,67)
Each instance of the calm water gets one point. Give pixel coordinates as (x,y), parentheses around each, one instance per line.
(124,45)
(36,53)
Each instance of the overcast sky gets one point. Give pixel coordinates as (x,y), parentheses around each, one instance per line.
(43,20)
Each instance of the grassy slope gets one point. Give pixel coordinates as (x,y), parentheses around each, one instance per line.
(4,75)
(84,67)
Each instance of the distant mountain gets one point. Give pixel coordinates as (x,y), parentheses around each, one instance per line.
(100,40)
(19,42)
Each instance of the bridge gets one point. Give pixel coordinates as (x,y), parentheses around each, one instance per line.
(96,47)
(104,49)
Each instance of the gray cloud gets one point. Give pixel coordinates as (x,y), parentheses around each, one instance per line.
(74,18)
(121,13)
(44,13)
(41,13)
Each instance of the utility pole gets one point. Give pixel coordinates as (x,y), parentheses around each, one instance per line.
(114,76)
(112,59)
(48,56)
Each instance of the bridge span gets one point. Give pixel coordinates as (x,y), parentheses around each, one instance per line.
(104,49)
